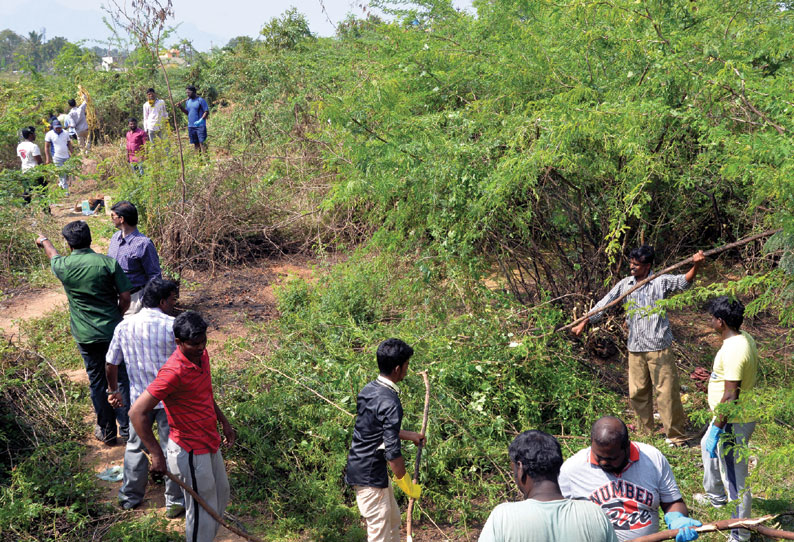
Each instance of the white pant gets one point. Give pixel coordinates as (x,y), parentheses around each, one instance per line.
(724,476)
(206,475)
(379,509)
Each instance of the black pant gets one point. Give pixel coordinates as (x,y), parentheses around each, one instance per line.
(106,416)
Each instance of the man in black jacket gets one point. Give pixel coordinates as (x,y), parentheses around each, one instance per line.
(376,441)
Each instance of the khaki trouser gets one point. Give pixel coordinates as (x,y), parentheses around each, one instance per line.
(656,370)
(83,141)
(379,509)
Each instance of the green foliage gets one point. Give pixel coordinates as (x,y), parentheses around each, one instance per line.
(51,336)
(143,529)
(488,383)
(287,31)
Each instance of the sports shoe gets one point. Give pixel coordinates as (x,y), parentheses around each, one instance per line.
(702,498)
(174,511)
(127,505)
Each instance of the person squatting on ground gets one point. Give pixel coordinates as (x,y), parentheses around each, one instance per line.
(184,385)
(58,140)
(630,481)
(30,156)
(545,515)
(376,442)
(651,360)
(197,112)
(732,377)
(134,251)
(78,119)
(136,138)
(99,293)
(144,342)
(155,115)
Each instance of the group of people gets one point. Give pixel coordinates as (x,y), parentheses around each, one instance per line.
(613,489)
(155,117)
(148,368)
(72,125)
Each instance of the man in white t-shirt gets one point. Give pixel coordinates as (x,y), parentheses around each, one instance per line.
(155,115)
(545,515)
(30,155)
(79,120)
(629,481)
(28,151)
(61,151)
(733,376)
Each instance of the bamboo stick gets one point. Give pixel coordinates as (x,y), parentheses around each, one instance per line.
(409,524)
(682,263)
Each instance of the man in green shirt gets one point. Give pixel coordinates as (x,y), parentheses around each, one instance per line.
(99,294)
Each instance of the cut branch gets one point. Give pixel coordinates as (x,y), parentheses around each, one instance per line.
(753,524)
(425,412)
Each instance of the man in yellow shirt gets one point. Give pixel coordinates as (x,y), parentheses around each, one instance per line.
(734,374)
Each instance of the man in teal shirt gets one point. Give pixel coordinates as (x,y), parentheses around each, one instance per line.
(99,294)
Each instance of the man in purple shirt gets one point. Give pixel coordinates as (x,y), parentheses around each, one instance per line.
(134,251)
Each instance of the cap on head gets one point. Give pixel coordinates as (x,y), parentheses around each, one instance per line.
(56,124)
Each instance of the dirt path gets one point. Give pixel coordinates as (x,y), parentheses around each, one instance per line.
(26,304)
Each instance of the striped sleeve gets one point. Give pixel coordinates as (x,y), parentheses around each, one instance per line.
(612,295)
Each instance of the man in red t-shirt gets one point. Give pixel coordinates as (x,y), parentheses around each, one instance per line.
(135,140)
(184,385)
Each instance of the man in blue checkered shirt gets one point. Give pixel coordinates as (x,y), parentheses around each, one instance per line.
(651,360)
(144,342)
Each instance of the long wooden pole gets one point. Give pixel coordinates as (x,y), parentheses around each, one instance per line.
(409,523)
(682,263)
(724,525)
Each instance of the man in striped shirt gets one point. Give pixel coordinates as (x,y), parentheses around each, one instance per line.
(184,384)
(144,342)
(651,361)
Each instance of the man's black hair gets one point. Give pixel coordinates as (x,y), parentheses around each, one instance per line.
(391,354)
(157,290)
(27,132)
(539,454)
(128,211)
(132,119)
(729,310)
(191,88)
(607,430)
(77,234)
(643,254)
(189,326)
(148,90)
(72,102)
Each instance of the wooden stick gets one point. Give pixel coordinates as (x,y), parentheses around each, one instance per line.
(682,263)
(409,526)
(753,524)
(206,506)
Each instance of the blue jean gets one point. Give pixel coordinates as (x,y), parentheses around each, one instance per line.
(106,416)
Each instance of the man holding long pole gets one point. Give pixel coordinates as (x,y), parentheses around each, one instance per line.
(651,361)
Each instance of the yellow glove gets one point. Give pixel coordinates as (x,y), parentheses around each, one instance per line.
(409,488)
(151,102)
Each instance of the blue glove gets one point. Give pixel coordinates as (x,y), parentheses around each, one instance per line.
(713,439)
(677,520)
(198,123)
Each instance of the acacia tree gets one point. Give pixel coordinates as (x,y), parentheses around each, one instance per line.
(146,21)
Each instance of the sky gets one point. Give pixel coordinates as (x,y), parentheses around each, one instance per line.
(206,23)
